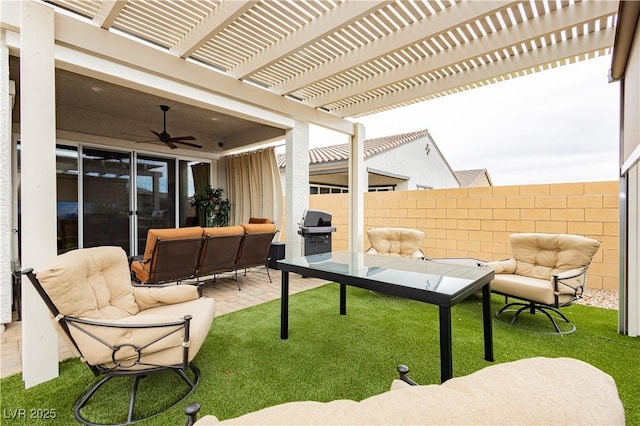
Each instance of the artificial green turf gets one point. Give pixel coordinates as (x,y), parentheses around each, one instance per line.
(245,366)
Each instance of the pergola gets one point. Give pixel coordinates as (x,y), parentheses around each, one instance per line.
(274,66)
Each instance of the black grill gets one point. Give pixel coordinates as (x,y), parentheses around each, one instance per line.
(316,230)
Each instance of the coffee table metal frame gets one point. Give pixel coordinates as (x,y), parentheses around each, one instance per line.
(367,277)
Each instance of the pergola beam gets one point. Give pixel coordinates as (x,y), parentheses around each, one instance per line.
(108,12)
(216,21)
(451,17)
(512,36)
(572,48)
(343,15)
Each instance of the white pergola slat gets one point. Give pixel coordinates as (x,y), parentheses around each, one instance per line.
(350,57)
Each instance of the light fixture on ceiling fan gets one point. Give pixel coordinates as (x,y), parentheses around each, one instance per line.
(167,138)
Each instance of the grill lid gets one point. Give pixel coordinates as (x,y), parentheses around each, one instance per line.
(312,218)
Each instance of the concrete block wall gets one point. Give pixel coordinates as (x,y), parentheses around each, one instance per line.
(477,222)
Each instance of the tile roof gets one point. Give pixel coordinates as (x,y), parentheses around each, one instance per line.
(340,152)
(468,177)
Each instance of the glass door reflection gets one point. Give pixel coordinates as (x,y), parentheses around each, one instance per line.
(155,194)
(106,198)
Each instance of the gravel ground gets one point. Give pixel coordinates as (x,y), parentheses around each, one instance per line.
(601,298)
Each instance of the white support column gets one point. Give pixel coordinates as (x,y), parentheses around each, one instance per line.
(6,98)
(631,307)
(357,188)
(38,184)
(296,185)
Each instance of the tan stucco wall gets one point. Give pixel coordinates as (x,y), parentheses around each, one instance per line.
(477,222)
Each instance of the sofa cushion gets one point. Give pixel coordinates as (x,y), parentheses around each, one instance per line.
(529,391)
(90,283)
(168,234)
(223,230)
(401,242)
(151,297)
(543,255)
(141,268)
(259,228)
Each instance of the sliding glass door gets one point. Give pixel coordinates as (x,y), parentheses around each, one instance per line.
(155,195)
(106,182)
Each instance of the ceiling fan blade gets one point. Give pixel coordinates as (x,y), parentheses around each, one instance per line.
(133,135)
(170,144)
(183,138)
(156,133)
(195,145)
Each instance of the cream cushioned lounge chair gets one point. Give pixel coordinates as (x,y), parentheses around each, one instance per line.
(402,242)
(121,330)
(546,271)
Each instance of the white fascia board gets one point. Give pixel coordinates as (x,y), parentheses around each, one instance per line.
(558,52)
(115,49)
(123,75)
(546,24)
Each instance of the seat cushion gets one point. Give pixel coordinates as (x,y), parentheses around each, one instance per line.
(160,350)
(534,289)
(90,283)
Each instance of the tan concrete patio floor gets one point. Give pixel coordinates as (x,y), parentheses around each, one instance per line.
(256,289)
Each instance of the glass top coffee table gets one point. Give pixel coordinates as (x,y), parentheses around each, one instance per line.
(440,284)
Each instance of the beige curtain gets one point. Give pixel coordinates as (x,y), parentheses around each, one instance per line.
(254,188)
(200,174)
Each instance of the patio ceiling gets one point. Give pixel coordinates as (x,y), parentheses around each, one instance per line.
(345,59)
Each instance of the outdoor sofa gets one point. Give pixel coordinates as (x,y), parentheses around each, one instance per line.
(529,391)
(176,254)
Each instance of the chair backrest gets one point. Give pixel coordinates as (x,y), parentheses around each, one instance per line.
(260,220)
(254,248)
(154,234)
(220,249)
(90,283)
(174,260)
(541,256)
(395,241)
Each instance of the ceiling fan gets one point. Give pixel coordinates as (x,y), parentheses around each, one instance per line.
(167,138)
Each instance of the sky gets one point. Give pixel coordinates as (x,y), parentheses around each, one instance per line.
(554,126)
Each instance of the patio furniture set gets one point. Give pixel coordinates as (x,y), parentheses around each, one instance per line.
(122,327)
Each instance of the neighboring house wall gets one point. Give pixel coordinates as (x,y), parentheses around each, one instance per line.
(423,165)
(477,222)
(406,161)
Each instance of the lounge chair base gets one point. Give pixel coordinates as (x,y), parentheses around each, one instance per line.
(137,377)
(551,313)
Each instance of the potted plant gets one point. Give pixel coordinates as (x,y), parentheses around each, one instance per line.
(213,210)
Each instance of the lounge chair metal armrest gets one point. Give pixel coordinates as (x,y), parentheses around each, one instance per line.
(403,370)
(119,325)
(191,411)
(568,275)
(83,325)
